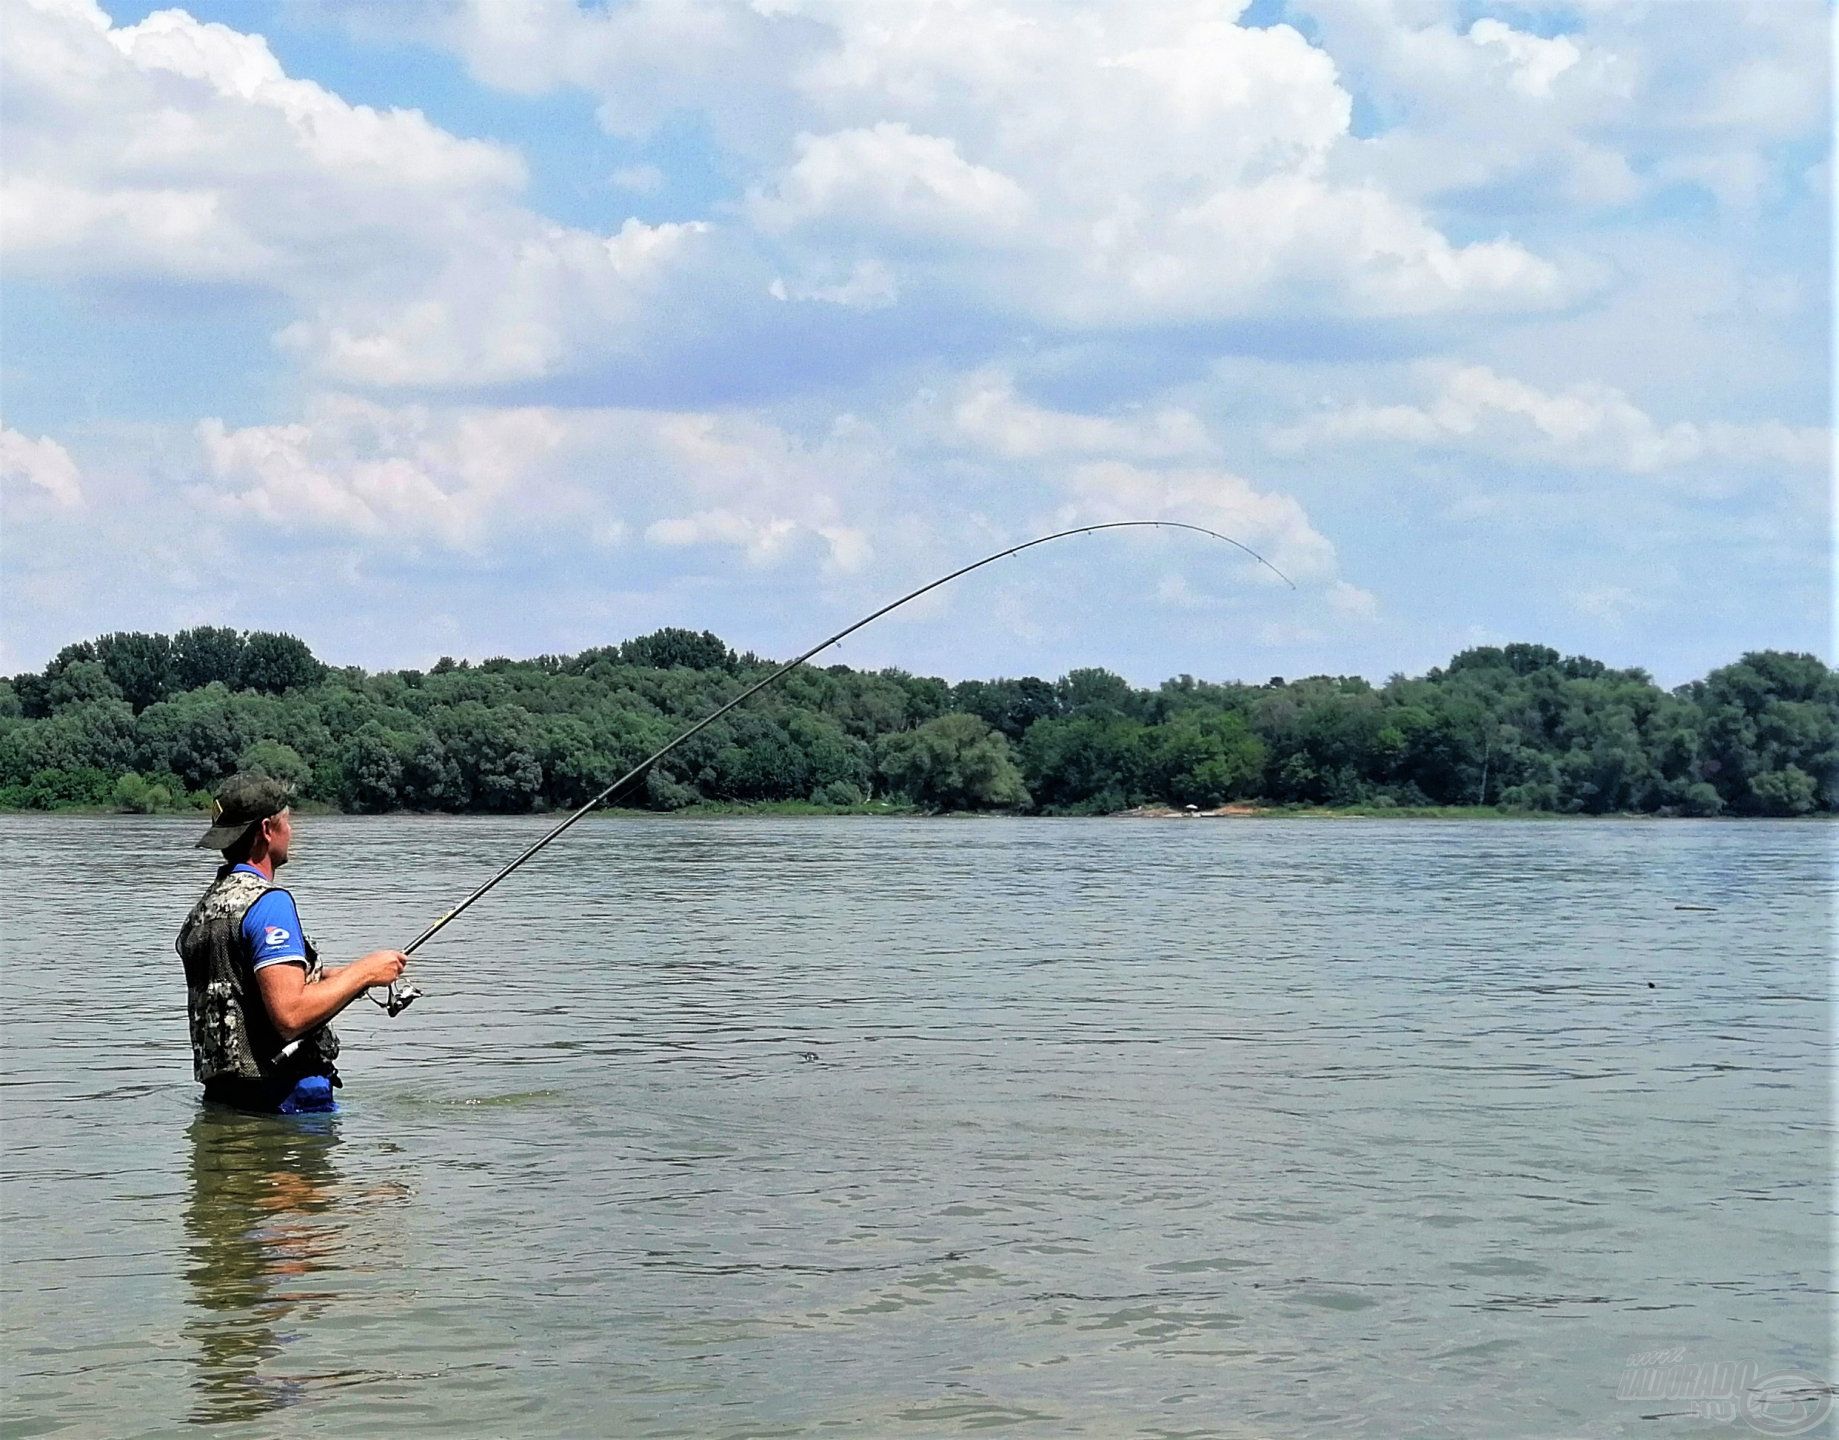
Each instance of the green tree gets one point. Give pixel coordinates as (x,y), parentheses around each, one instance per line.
(495,753)
(191,735)
(1787,791)
(671,648)
(430,778)
(274,663)
(954,762)
(1096,689)
(1010,706)
(758,762)
(81,683)
(205,655)
(1516,723)
(137,794)
(1089,763)
(276,760)
(1770,712)
(32,693)
(1206,759)
(141,666)
(370,769)
(839,764)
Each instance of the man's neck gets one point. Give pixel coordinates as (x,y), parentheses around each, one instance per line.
(263,863)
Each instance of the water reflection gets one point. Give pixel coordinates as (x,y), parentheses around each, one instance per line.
(255,1244)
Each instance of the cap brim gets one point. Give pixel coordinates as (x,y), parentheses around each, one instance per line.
(222,837)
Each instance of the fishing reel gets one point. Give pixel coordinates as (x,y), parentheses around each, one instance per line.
(398,996)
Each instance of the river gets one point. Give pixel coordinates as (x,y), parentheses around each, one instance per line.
(904,1127)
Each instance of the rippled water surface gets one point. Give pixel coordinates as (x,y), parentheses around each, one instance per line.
(763,1127)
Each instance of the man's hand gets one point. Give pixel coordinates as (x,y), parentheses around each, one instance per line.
(383,966)
(296,1006)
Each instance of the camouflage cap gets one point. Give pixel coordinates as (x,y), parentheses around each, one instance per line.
(242,801)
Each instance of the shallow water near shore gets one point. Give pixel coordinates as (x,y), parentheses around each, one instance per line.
(779,1127)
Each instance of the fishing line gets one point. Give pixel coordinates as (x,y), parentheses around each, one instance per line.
(401,994)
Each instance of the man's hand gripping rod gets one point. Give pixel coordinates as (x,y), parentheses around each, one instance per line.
(400,995)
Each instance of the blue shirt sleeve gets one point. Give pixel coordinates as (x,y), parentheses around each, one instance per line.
(272,928)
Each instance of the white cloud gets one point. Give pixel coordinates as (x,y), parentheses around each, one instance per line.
(1352,601)
(887,180)
(520,303)
(1593,426)
(985,412)
(870,285)
(762,539)
(1272,524)
(1115,165)
(402,475)
(175,148)
(490,479)
(1533,62)
(1053,220)
(180,150)
(1098,170)
(1630,99)
(42,465)
(1476,110)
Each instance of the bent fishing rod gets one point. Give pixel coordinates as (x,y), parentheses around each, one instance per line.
(401,994)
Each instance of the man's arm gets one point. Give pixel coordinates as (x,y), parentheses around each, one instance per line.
(296,1003)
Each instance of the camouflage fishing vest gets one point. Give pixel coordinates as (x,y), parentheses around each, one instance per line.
(232,1035)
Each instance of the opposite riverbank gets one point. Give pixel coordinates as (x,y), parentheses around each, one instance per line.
(800,809)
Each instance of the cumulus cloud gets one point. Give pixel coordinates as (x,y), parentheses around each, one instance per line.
(40,466)
(1128,464)
(887,180)
(1351,600)
(396,475)
(1532,62)
(743,482)
(486,480)
(521,304)
(1592,426)
(1113,166)
(1273,524)
(984,411)
(179,150)
(1106,169)
(483,479)
(1049,222)
(1626,101)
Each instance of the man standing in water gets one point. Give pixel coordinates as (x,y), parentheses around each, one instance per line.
(254,983)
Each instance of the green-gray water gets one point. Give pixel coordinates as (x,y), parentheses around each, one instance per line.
(772,1127)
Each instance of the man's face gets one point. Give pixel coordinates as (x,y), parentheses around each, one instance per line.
(278,830)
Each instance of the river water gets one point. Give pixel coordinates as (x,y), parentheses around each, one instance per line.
(1108,1127)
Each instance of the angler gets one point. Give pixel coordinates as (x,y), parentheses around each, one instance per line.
(259,998)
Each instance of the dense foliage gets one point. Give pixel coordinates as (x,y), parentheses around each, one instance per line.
(146,722)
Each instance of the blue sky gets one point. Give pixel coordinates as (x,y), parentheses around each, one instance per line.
(470,327)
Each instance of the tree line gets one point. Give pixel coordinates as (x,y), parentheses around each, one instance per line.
(150,722)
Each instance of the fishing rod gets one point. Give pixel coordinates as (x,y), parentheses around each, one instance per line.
(401,994)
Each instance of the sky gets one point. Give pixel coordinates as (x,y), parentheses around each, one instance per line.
(470,327)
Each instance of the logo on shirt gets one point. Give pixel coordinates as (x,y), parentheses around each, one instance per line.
(275,935)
